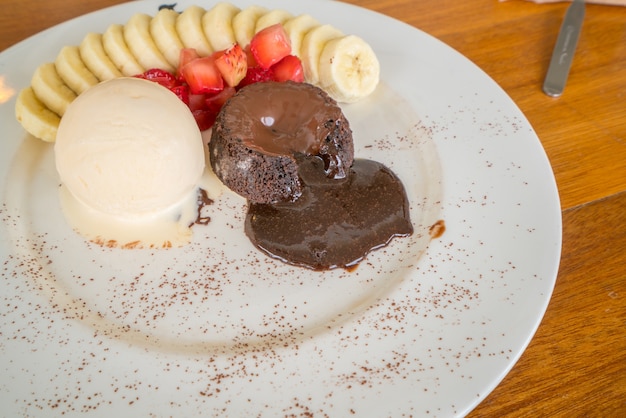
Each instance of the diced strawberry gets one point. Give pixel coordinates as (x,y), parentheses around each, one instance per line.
(202,76)
(197,102)
(204,84)
(232,64)
(255,75)
(182,91)
(270,45)
(164,78)
(216,101)
(288,69)
(249,57)
(205,118)
(185,56)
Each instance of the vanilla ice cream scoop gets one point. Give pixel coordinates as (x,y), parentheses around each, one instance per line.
(128,150)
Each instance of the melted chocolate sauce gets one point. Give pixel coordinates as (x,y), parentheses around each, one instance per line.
(203,201)
(335,222)
(437,229)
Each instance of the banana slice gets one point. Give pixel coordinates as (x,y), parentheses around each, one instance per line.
(349,69)
(73,71)
(50,88)
(190,31)
(96,59)
(163,31)
(296,28)
(217,25)
(313,44)
(244,24)
(35,117)
(272,18)
(141,45)
(116,48)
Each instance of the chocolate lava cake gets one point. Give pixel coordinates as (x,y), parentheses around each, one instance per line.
(266,128)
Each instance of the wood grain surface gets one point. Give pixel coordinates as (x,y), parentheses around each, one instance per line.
(576,364)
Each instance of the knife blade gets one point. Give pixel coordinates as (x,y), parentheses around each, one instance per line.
(564,49)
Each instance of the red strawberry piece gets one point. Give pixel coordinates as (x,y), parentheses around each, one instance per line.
(202,76)
(255,75)
(182,92)
(232,64)
(249,57)
(288,69)
(216,101)
(197,102)
(164,78)
(205,118)
(186,55)
(270,45)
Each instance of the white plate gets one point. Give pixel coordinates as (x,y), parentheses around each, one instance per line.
(216,329)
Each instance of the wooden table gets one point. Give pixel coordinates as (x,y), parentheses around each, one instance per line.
(576,364)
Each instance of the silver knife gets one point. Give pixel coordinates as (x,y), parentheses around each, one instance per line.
(563,53)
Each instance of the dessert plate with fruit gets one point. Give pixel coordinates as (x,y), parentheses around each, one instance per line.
(148,235)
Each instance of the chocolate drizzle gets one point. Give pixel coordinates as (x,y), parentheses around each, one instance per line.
(203,201)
